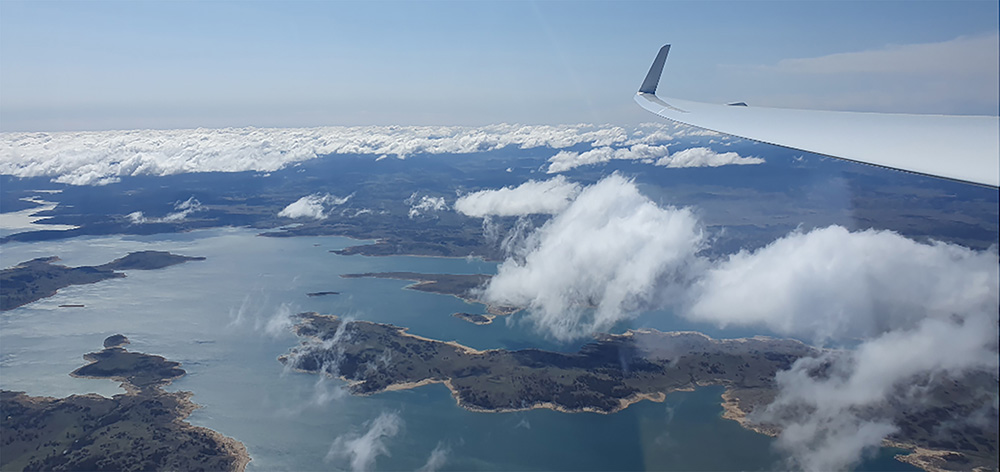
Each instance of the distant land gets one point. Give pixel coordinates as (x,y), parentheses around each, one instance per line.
(614,371)
(41,278)
(462,286)
(321,294)
(143,429)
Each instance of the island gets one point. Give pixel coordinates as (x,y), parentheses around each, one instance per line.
(321,294)
(475,318)
(142,429)
(603,377)
(462,286)
(40,278)
(615,371)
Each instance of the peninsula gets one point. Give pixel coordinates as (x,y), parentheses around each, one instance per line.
(41,278)
(143,429)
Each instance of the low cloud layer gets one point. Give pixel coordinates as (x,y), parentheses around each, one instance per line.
(911,310)
(532,197)
(103,157)
(315,206)
(361,450)
(649,154)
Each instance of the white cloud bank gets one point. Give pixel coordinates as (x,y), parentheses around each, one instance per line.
(532,197)
(914,310)
(315,206)
(103,157)
(650,154)
(361,451)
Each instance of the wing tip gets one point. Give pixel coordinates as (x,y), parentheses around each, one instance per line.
(655,70)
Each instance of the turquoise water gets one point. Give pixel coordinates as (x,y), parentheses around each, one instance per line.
(223,319)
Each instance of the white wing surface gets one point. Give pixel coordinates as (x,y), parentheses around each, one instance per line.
(962,148)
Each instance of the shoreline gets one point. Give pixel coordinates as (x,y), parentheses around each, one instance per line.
(919,457)
(186,406)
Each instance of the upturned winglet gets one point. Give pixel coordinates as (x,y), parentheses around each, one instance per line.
(653,76)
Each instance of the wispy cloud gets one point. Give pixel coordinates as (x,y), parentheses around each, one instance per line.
(437,459)
(182,210)
(361,450)
(955,76)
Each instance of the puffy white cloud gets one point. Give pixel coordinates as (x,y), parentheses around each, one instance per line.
(830,284)
(532,197)
(705,157)
(598,260)
(315,206)
(103,157)
(362,450)
(652,154)
(421,205)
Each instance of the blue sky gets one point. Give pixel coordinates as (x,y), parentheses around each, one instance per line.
(124,65)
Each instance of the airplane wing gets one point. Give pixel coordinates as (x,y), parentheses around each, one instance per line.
(962,148)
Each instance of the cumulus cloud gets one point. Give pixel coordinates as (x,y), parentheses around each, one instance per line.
(908,311)
(103,157)
(316,206)
(831,284)
(422,205)
(598,260)
(650,154)
(532,197)
(437,459)
(362,450)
